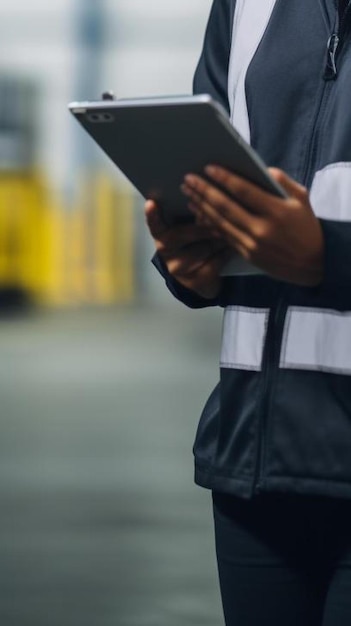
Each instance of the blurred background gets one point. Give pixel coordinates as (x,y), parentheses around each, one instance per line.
(102,374)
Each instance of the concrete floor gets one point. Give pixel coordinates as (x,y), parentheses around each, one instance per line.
(100,522)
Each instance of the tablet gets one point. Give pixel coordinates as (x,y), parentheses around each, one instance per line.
(155,142)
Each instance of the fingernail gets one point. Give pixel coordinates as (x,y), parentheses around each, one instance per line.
(211,170)
(190,179)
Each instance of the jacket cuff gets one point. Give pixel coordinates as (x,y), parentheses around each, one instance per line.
(188,297)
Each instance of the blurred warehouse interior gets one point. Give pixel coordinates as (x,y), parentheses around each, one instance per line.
(102,384)
(71,227)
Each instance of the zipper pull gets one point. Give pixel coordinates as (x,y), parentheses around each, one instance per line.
(331,71)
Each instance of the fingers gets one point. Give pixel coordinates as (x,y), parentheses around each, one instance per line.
(194,258)
(204,278)
(215,203)
(244,215)
(238,209)
(226,217)
(156,224)
(172,238)
(251,198)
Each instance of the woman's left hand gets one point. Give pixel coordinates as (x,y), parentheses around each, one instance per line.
(281,236)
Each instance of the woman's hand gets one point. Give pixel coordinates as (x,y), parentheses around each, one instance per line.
(192,253)
(281,236)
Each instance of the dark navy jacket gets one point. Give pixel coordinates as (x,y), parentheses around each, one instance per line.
(280,418)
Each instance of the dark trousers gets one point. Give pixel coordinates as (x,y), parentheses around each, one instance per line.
(284,560)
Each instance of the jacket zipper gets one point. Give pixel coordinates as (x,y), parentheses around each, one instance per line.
(269,364)
(335,41)
(334,46)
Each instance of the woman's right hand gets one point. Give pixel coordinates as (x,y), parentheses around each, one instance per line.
(192,253)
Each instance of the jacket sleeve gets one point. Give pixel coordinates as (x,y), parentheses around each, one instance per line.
(211,75)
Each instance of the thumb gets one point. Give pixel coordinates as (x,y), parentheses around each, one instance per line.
(156,224)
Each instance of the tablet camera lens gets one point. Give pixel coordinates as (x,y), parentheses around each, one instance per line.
(100,118)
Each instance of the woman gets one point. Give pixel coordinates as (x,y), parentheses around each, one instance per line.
(274,440)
